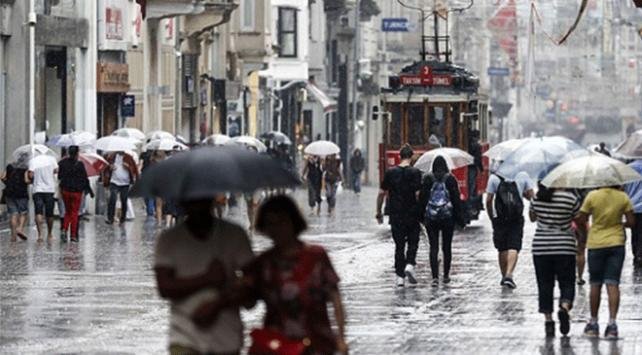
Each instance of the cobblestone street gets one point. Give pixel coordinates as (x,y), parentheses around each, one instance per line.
(99,295)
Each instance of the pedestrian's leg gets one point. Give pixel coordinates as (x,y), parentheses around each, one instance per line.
(448,231)
(50,224)
(511,262)
(39,222)
(502,256)
(412,237)
(433,238)
(580,263)
(74,211)
(111,206)
(13,223)
(66,197)
(22,220)
(123,191)
(613,292)
(311,196)
(400,249)
(595,295)
(545,273)
(565,271)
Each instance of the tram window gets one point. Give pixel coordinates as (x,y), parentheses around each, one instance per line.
(394,126)
(438,123)
(417,129)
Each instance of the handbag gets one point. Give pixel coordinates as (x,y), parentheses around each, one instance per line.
(267,341)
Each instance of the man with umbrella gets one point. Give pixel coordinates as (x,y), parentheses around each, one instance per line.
(119,176)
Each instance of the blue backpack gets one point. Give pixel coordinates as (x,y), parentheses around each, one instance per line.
(439,207)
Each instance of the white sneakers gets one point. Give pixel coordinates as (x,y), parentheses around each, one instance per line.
(410,273)
(401,282)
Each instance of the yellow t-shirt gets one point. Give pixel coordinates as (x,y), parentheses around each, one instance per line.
(607,207)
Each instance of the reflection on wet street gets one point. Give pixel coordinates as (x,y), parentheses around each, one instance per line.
(99,295)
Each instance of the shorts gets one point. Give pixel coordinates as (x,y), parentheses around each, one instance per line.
(605,265)
(44,204)
(17,205)
(508,235)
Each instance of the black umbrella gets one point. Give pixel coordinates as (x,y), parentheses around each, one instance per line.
(208,171)
(277,137)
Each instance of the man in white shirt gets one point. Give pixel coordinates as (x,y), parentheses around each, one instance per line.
(44,187)
(194,262)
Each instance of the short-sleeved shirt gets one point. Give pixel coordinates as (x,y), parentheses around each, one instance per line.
(120,175)
(607,207)
(16,187)
(44,180)
(554,235)
(179,250)
(522,180)
(296,290)
(402,185)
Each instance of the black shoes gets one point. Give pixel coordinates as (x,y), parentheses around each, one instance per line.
(565,323)
(508,282)
(550,328)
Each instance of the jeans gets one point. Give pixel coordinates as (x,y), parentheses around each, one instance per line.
(547,269)
(150,206)
(331,193)
(605,265)
(314,194)
(356,182)
(446,229)
(122,192)
(472,182)
(72,208)
(405,233)
(636,238)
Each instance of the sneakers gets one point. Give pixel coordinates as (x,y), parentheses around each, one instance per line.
(565,324)
(592,330)
(508,282)
(581,282)
(446,279)
(410,273)
(401,282)
(63,236)
(611,331)
(435,281)
(549,327)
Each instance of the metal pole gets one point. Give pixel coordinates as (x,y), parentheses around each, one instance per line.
(423,35)
(32,69)
(355,80)
(436,16)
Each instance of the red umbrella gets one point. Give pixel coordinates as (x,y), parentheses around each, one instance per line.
(94,163)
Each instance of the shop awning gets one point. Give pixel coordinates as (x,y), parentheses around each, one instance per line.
(328,104)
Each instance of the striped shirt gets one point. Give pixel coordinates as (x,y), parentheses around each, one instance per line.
(554,235)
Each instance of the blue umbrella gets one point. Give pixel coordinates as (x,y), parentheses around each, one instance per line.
(634,189)
(539,156)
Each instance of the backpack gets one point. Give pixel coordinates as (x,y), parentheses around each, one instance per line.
(508,202)
(439,207)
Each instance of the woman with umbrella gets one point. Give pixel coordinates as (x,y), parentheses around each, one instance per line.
(73,183)
(332,176)
(313,175)
(16,195)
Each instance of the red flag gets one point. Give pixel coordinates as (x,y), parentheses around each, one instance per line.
(143,7)
(504,26)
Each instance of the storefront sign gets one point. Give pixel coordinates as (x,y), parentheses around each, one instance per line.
(128,106)
(112,78)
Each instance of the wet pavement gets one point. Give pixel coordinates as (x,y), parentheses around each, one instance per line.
(99,296)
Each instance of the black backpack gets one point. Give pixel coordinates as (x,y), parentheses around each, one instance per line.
(508,202)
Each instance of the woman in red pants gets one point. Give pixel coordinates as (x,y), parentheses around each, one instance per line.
(73,183)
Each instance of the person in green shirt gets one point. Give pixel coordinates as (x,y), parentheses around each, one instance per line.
(607,207)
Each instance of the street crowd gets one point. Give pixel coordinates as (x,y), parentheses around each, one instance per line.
(206,268)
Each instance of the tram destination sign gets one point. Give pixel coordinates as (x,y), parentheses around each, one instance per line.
(395,25)
(426,77)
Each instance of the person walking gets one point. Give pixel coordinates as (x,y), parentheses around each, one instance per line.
(554,249)
(606,207)
(505,209)
(196,262)
(634,191)
(121,173)
(43,182)
(440,199)
(475,169)
(357,165)
(147,161)
(332,176)
(16,194)
(401,186)
(296,281)
(313,175)
(73,184)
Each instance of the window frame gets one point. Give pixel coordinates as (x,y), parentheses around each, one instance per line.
(243,11)
(281,32)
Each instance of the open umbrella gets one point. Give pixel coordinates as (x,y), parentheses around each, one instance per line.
(634,189)
(207,172)
(115,144)
(217,139)
(80,139)
(248,142)
(42,161)
(631,148)
(502,150)
(181,139)
(133,133)
(591,172)
(36,149)
(94,163)
(455,158)
(322,148)
(160,135)
(539,155)
(165,145)
(277,138)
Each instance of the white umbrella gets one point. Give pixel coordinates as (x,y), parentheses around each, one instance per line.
(37,149)
(322,148)
(115,144)
(42,161)
(217,139)
(502,150)
(181,139)
(248,142)
(160,135)
(133,133)
(80,139)
(165,144)
(591,172)
(455,158)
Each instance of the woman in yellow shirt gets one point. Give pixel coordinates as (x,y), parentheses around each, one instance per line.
(607,207)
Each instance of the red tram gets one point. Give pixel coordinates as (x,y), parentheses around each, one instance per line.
(435,99)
